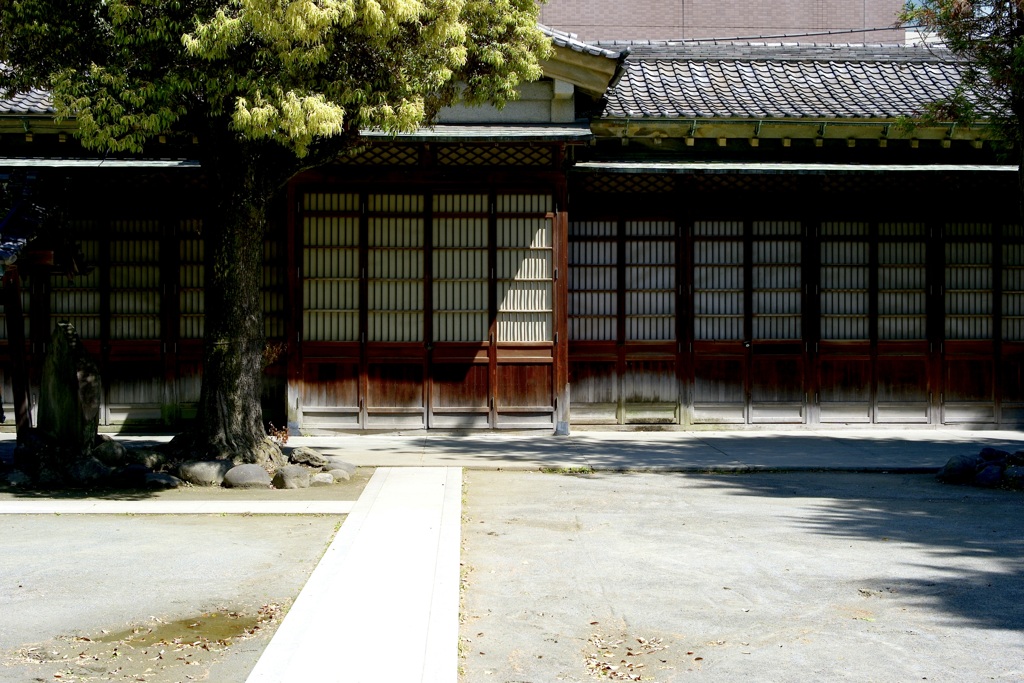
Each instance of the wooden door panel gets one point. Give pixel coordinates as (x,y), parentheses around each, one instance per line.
(459,395)
(719,389)
(524,395)
(777,389)
(1011,386)
(330,395)
(844,389)
(903,389)
(968,392)
(594,392)
(394,396)
(650,392)
(135,393)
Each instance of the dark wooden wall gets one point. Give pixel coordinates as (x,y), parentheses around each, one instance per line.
(815,299)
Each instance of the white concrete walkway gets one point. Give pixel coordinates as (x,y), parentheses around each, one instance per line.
(383,603)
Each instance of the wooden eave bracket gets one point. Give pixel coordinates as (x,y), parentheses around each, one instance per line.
(39,125)
(592,74)
(782,129)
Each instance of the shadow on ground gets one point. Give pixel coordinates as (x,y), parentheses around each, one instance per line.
(973,536)
(714,451)
(7,459)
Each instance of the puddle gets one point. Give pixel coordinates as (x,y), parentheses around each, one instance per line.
(158,651)
(207,630)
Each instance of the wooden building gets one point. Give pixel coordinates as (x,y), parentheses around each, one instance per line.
(729,235)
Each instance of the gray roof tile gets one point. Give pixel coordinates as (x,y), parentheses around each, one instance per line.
(34,102)
(696,80)
(572,41)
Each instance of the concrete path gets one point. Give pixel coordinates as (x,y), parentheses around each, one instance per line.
(383,604)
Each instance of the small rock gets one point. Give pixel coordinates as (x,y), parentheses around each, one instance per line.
(960,469)
(993,454)
(109,452)
(990,475)
(340,475)
(1013,476)
(205,472)
(334,462)
(17,478)
(162,480)
(304,455)
(247,476)
(1016,459)
(131,476)
(322,479)
(292,477)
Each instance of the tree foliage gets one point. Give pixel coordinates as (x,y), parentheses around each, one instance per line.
(988,37)
(290,71)
(267,88)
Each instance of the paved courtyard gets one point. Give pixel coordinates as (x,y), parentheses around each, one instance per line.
(607,556)
(762,577)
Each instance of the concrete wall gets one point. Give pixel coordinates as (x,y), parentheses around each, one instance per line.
(674,19)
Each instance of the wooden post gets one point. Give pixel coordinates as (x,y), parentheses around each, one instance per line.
(16,347)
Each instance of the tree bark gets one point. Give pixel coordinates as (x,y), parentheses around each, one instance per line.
(230,421)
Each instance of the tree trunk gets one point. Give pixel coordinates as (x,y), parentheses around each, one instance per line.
(1020,172)
(16,344)
(230,421)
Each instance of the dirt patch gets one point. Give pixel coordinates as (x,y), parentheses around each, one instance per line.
(156,651)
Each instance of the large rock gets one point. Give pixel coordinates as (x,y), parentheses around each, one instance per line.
(304,455)
(292,477)
(989,454)
(17,478)
(189,446)
(131,476)
(205,472)
(340,475)
(147,457)
(336,463)
(161,480)
(1013,476)
(960,469)
(247,476)
(88,471)
(989,475)
(109,452)
(321,479)
(69,396)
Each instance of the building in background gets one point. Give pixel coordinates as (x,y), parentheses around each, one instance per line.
(658,235)
(856,21)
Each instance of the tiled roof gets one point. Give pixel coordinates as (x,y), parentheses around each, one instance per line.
(38,102)
(702,80)
(572,42)
(31,103)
